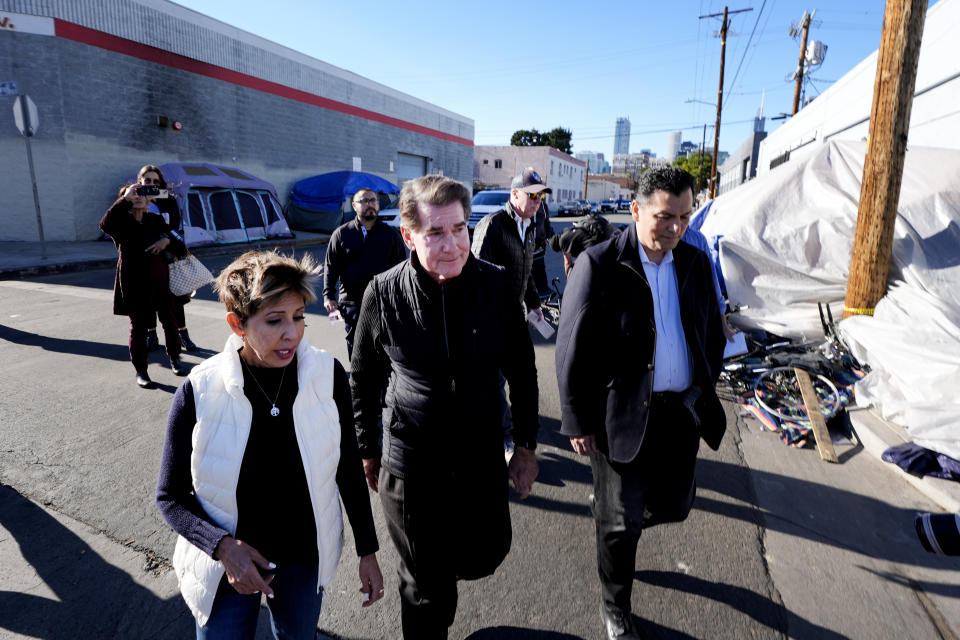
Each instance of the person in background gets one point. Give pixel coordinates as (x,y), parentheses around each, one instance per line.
(167,208)
(141,288)
(260,450)
(357,251)
(544,232)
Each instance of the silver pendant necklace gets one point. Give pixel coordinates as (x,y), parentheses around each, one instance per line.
(273,409)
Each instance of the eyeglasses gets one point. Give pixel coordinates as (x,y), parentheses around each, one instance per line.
(537,196)
(365,201)
(149,181)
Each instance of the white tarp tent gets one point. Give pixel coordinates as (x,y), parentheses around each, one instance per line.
(786,243)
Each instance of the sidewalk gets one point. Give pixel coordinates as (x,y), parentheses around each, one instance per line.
(23,259)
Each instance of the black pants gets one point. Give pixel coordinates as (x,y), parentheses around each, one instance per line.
(540,273)
(350,313)
(657,486)
(444,529)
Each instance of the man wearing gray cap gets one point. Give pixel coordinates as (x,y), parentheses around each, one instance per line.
(507,237)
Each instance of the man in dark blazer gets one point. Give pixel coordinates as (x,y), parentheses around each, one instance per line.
(639,350)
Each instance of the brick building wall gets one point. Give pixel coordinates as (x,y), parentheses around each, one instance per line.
(98,96)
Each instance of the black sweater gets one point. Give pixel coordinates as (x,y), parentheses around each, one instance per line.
(275,515)
(353,259)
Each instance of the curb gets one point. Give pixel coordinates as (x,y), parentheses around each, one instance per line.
(201,252)
(878,435)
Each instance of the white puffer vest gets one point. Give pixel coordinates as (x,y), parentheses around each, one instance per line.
(219,440)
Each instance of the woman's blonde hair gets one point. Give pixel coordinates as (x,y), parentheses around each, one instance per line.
(258,277)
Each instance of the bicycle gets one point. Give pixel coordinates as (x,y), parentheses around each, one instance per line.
(550,305)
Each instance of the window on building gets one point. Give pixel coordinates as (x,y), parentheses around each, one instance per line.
(551,167)
(485,161)
(498,164)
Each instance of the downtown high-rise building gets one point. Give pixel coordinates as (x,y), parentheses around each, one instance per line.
(621,136)
(673,145)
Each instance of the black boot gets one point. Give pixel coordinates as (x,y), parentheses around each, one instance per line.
(185,340)
(152,343)
(143,380)
(177,367)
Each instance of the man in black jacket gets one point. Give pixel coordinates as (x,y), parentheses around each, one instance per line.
(508,237)
(357,251)
(639,350)
(438,330)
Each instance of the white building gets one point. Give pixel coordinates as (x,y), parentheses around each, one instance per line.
(495,166)
(842,112)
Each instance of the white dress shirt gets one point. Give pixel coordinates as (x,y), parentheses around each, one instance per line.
(521,224)
(673,369)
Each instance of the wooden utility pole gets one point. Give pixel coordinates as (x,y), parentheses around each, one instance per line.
(716,132)
(703,150)
(805,25)
(883,167)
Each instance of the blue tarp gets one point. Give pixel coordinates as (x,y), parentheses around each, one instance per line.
(327,191)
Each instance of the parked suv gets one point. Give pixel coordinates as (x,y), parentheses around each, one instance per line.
(485,202)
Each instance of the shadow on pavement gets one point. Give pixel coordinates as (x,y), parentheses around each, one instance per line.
(69,346)
(94,599)
(516,633)
(815,511)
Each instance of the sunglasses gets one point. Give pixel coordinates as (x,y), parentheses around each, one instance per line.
(537,196)
(366,201)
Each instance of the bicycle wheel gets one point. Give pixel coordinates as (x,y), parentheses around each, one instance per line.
(778,393)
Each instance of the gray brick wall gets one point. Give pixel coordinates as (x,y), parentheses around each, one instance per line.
(98,114)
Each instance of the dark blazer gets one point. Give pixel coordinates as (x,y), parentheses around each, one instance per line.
(606,341)
(497,240)
(141,278)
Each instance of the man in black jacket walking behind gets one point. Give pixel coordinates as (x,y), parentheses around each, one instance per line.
(438,330)
(357,251)
(639,350)
(508,237)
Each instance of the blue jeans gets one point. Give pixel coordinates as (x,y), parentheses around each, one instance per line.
(294,609)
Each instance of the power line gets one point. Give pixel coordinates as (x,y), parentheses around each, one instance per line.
(747,48)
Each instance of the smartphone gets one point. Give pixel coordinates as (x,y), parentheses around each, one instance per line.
(148,190)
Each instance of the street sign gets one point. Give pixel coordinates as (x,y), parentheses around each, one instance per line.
(26,119)
(8,89)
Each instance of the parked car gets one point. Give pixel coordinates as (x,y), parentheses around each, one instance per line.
(584,207)
(623,205)
(567,209)
(485,202)
(607,206)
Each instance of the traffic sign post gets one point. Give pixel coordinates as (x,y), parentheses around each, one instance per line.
(27,120)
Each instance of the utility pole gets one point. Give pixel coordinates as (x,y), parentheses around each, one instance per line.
(703,150)
(586,175)
(805,25)
(716,131)
(883,168)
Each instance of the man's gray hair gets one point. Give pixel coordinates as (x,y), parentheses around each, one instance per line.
(433,190)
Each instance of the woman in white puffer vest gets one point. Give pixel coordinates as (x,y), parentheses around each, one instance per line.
(260,448)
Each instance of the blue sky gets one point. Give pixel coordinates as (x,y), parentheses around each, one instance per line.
(579,65)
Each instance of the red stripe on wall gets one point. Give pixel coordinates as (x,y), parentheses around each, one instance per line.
(102,40)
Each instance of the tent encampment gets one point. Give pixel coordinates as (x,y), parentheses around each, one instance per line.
(317,203)
(787,237)
(223,205)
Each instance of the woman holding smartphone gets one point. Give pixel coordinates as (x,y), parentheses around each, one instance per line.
(259,452)
(141,287)
(167,207)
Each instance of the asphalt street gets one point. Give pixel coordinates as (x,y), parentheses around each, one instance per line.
(779,544)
